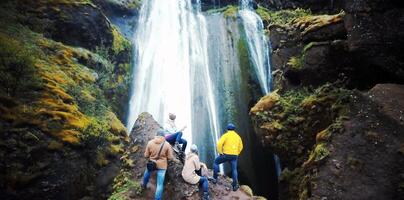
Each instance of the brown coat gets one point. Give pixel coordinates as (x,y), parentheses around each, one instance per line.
(153,148)
(192,163)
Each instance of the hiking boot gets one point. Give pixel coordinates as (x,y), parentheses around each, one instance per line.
(144,187)
(205,196)
(235,187)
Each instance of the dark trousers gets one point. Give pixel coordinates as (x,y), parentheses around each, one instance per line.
(203,181)
(232,159)
(176,137)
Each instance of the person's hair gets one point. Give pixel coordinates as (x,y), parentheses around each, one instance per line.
(194,148)
(172,116)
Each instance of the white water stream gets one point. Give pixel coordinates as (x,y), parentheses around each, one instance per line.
(187,63)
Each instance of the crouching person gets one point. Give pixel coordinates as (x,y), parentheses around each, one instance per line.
(157,151)
(192,171)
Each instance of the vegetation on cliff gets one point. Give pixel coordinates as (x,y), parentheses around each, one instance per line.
(280,17)
(58,103)
(297,125)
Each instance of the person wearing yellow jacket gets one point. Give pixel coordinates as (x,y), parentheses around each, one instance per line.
(229,147)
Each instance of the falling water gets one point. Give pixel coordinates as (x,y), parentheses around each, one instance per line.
(171,71)
(257,43)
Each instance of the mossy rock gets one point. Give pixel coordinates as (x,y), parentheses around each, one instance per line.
(319,153)
(266,102)
(323,136)
(247,190)
(57,99)
(281,17)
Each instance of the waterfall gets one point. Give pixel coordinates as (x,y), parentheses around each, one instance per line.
(188,63)
(257,44)
(171,72)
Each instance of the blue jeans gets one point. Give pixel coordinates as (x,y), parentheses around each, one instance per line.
(161,173)
(226,158)
(176,137)
(203,181)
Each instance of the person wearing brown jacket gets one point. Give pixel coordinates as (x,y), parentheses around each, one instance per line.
(192,171)
(152,153)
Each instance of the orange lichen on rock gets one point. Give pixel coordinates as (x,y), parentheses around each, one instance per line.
(323,136)
(266,102)
(69,136)
(116,125)
(59,92)
(314,22)
(272,127)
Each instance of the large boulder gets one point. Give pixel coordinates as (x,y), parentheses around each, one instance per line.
(335,144)
(368,155)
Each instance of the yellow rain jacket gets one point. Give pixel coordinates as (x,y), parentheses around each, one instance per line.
(230,143)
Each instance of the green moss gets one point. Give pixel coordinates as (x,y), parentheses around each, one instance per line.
(294,178)
(296,63)
(294,121)
(229,11)
(57,97)
(264,13)
(18,74)
(298,128)
(319,153)
(307,47)
(68,98)
(119,43)
(124,187)
(242,51)
(281,17)
(135,4)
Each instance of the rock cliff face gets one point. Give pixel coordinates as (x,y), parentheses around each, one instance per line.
(334,141)
(357,46)
(127,183)
(64,74)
